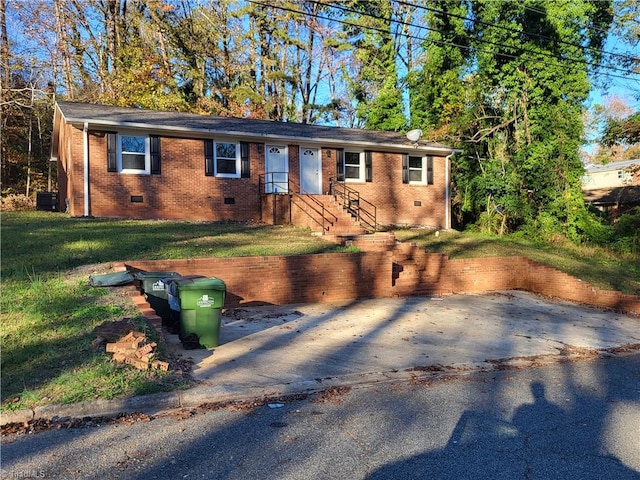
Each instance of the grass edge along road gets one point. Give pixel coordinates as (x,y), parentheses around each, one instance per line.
(48,314)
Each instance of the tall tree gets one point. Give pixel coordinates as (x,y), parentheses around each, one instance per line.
(25,104)
(437,89)
(526,84)
(374,82)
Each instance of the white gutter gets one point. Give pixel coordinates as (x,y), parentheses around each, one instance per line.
(447,193)
(85,141)
(265,137)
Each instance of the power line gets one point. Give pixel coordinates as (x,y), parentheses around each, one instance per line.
(439,42)
(580,61)
(529,34)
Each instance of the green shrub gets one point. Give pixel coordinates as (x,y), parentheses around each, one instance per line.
(626,232)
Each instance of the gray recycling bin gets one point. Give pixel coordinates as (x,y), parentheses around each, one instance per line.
(153,287)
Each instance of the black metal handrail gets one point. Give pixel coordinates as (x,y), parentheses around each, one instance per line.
(273,183)
(327,219)
(362,210)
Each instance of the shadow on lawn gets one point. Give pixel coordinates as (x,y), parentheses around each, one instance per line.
(57,343)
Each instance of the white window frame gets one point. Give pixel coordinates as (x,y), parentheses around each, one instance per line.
(361,166)
(423,170)
(237,159)
(147,154)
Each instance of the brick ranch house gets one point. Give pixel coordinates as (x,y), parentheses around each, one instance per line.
(134,163)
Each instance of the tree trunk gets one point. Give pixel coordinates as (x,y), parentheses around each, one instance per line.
(64,43)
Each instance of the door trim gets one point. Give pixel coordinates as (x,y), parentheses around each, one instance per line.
(317,169)
(277,183)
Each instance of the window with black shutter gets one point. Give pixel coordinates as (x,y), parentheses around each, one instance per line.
(208,158)
(340,169)
(154,146)
(112,152)
(224,159)
(245,163)
(405,168)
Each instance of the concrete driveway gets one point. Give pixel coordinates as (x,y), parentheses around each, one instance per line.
(275,349)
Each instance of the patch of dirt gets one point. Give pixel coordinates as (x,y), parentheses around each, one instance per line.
(427,368)
(566,354)
(256,315)
(42,424)
(112,331)
(631,348)
(331,394)
(571,350)
(84,271)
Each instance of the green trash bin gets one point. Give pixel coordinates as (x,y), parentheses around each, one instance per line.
(153,287)
(171,287)
(201,302)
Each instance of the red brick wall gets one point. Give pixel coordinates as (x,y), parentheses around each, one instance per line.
(183,192)
(71,181)
(396,202)
(288,279)
(403,271)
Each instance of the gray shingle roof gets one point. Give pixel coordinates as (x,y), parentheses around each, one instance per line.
(180,123)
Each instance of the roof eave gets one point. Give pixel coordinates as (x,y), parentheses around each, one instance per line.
(439,149)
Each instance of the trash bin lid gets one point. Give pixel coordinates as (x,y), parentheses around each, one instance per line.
(160,275)
(173,283)
(205,283)
(110,279)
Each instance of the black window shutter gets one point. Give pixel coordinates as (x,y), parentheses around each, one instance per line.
(245,169)
(405,168)
(368,171)
(429,170)
(340,164)
(208,158)
(154,140)
(112,152)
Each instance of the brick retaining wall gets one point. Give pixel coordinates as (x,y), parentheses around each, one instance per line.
(396,270)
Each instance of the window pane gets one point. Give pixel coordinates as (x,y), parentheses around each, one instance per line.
(351,158)
(415,162)
(226,150)
(226,166)
(132,161)
(133,144)
(415,175)
(352,172)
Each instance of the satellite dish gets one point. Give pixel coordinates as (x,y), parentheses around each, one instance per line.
(414,135)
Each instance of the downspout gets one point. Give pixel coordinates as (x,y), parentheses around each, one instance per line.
(85,140)
(447,193)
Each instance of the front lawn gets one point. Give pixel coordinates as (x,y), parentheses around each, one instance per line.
(49,311)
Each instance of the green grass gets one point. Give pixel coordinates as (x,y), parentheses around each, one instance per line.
(41,243)
(47,316)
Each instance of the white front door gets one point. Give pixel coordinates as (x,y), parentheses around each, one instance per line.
(277,169)
(310,171)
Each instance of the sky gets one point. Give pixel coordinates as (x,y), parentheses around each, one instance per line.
(626,89)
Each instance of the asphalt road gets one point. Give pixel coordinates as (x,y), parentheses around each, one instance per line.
(572,420)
